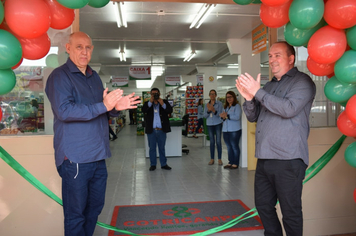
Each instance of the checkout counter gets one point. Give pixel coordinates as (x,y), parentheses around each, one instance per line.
(173,142)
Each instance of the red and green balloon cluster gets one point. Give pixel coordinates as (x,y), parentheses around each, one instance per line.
(23,31)
(328,29)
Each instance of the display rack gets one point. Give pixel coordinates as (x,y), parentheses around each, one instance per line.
(192,95)
(179,107)
(40,117)
(139,120)
(117,123)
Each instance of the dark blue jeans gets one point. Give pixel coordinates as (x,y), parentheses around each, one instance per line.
(157,137)
(280,180)
(200,123)
(83,194)
(215,135)
(232,140)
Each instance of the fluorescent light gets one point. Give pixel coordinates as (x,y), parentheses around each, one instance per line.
(203,13)
(120,14)
(233,66)
(189,56)
(122,56)
(144,83)
(219,77)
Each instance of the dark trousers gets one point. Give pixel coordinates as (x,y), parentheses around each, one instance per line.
(200,123)
(111,132)
(215,135)
(157,138)
(83,194)
(280,180)
(232,141)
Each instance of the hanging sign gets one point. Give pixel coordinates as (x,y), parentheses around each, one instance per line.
(140,73)
(173,80)
(259,39)
(200,80)
(119,81)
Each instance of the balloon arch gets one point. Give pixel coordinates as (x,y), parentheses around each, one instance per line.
(326,27)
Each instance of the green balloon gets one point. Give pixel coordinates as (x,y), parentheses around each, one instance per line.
(305,14)
(345,68)
(256,2)
(73,4)
(350,154)
(10,50)
(98,3)
(1,12)
(52,61)
(7,81)
(351,37)
(337,91)
(243,2)
(300,37)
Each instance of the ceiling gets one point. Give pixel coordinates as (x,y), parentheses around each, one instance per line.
(158,34)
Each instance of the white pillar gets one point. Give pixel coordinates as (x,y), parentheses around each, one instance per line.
(210,80)
(250,64)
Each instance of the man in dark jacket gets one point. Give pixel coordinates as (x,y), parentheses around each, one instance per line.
(157,126)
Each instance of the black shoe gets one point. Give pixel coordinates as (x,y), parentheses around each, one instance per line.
(166,167)
(152,168)
(113,138)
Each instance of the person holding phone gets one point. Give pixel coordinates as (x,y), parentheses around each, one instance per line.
(156,112)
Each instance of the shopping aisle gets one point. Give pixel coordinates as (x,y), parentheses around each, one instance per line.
(190,180)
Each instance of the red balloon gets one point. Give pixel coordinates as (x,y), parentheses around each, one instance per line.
(17,65)
(345,125)
(331,75)
(274,2)
(327,45)
(340,14)
(351,109)
(275,16)
(34,49)
(61,17)
(0,113)
(319,69)
(28,19)
(355,194)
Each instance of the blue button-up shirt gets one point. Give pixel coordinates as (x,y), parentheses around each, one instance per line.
(156,117)
(81,129)
(233,122)
(213,118)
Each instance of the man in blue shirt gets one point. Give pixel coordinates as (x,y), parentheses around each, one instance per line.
(157,126)
(81,135)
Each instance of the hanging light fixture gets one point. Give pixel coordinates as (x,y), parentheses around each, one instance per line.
(120,14)
(190,56)
(203,13)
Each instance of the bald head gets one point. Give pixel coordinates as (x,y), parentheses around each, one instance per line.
(80,48)
(78,34)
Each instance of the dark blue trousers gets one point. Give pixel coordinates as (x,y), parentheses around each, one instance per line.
(83,194)
(157,138)
(280,180)
(232,141)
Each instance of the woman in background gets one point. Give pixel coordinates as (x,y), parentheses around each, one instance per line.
(200,117)
(214,123)
(232,129)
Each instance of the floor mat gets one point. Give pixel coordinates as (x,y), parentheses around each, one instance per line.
(181,218)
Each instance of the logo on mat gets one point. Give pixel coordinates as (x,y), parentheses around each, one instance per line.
(181,211)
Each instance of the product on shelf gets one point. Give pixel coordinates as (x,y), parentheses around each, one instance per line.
(193,94)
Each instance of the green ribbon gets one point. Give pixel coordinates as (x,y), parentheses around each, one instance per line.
(310,173)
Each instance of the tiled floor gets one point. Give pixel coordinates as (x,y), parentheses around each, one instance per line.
(191,178)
